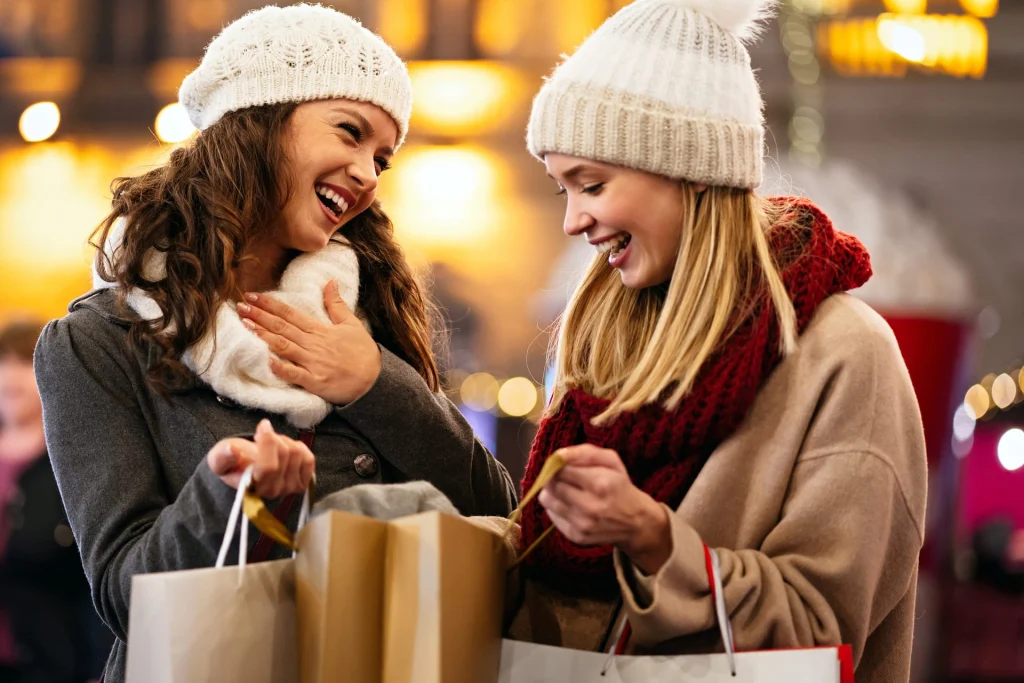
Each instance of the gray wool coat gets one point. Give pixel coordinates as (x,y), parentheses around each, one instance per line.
(131,465)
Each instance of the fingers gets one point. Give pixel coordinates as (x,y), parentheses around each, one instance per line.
(337,309)
(294,374)
(302,465)
(282,465)
(569,501)
(587,455)
(267,475)
(279,345)
(272,315)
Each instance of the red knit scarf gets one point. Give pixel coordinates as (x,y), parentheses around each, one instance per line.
(665,450)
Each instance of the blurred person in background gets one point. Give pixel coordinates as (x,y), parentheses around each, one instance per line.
(999,555)
(717,391)
(58,636)
(252,286)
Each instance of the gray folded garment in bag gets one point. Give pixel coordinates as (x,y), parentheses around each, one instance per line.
(387,501)
(391,501)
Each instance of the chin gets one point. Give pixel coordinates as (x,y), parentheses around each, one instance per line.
(312,241)
(635,280)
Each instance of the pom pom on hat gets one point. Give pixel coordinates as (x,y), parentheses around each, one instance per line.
(742,18)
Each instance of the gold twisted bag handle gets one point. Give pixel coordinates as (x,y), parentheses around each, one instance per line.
(552,466)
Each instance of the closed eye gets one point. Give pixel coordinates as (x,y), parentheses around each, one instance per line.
(352,130)
(382,164)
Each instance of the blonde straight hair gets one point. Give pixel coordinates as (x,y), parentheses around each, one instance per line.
(641,346)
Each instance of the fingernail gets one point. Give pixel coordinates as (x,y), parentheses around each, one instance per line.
(250,324)
(243,308)
(334,283)
(228,450)
(264,425)
(252,297)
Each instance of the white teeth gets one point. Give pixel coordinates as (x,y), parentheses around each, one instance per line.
(328,193)
(614,244)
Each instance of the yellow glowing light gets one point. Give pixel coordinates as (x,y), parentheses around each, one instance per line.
(904,40)
(172,124)
(1004,391)
(499,26)
(984,9)
(403,24)
(574,20)
(518,396)
(462,98)
(823,6)
(906,6)
(39,121)
(40,77)
(480,391)
(447,194)
(977,402)
(956,45)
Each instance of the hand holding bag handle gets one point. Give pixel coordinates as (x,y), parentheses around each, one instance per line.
(261,518)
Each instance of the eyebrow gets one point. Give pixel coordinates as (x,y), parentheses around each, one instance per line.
(572,173)
(365,127)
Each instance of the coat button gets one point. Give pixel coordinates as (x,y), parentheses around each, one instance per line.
(226,402)
(365,465)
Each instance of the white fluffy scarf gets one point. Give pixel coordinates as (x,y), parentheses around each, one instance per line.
(231,358)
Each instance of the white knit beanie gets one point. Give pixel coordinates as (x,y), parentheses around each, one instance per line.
(296,54)
(664,86)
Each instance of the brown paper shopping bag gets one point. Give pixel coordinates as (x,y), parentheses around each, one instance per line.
(215,624)
(415,600)
(444,598)
(339,567)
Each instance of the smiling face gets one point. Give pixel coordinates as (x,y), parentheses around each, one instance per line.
(336,151)
(634,217)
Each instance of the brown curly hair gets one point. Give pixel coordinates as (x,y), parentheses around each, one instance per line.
(203,210)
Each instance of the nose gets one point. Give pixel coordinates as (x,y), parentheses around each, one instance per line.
(363,173)
(577,221)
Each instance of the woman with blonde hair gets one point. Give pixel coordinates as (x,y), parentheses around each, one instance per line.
(717,391)
(252,309)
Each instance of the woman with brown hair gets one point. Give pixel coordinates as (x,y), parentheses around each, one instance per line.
(252,287)
(717,393)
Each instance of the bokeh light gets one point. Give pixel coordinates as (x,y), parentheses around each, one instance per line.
(480,391)
(39,121)
(518,396)
(1011,450)
(977,402)
(173,125)
(462,98)
(1004,391)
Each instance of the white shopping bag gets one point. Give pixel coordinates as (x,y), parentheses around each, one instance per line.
(216,624)
(531,663)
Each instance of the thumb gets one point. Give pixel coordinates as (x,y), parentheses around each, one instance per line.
(337,310)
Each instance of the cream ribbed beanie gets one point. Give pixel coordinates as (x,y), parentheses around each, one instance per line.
(295,54)
(664,86)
